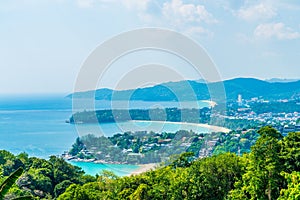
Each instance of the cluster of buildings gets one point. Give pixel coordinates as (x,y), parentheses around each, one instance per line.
(284,122)
(208,147)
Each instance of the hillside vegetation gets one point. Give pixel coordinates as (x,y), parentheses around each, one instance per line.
(270,171)
(194,90)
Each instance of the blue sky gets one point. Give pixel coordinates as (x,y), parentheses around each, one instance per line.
(43,43)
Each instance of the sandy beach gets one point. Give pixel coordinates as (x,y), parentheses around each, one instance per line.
(210,127)
(143,168)
(211,103)
(215,128)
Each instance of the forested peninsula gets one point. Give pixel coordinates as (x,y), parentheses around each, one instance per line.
(271,170)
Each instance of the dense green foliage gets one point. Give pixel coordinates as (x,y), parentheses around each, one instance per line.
(236,124)
(276,107)
(238,142)
(77,147)
(9,182)
(262,179)
(169,114)
(157,114)
(136,148)
(43,179)
(293,190)
(189,180)
(269,171)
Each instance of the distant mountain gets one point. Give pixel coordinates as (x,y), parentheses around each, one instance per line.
(198,90)
(281,80)
(249,87)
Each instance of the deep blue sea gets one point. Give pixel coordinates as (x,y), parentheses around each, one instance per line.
(36,125)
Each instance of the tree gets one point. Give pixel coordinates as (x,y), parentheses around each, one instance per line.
(141,193)
(64,171)
(293,190)
(184,160)
(262,179)
(61,187)
(290,152)
(213,177)
(77,147)
(8,183)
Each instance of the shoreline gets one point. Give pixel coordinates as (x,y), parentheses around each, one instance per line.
(210,127)
(211,103)
(143,168)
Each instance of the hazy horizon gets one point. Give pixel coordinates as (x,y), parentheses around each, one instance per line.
(60,94)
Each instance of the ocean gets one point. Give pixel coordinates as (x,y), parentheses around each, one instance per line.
(36,125)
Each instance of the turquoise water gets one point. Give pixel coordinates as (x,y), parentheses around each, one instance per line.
(36,125)
(96,168)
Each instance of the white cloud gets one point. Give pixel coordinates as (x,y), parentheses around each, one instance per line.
(288,5)
(179,12)
(128,4)
(243,38)
(135,4)
(197,30)
(270,54)
(186,17)
(85,3)
(275,30)
(257,12)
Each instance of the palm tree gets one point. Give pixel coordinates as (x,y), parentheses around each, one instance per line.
(9,181)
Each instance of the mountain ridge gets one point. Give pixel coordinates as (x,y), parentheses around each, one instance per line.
(189,90)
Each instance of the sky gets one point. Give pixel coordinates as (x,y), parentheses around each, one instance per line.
(44,43)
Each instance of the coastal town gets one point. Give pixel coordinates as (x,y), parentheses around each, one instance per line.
(283,114)
(144,147)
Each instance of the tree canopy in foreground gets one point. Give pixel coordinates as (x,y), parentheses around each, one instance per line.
(269,171)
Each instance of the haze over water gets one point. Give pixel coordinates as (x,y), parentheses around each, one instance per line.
(36,124)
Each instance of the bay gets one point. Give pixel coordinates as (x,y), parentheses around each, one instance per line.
(36,125)
(96,168)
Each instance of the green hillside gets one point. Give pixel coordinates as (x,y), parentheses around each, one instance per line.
(195,90)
